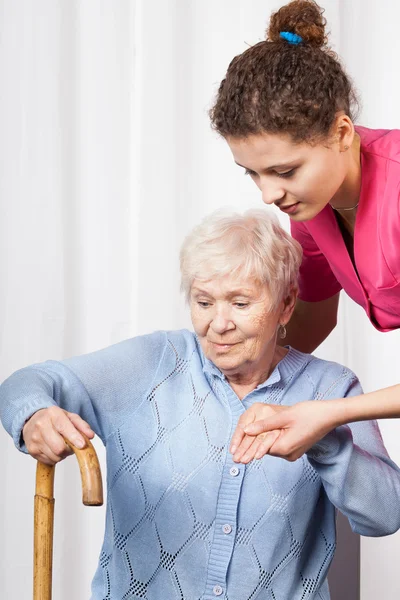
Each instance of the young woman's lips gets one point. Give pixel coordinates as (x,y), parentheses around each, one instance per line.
(289,210)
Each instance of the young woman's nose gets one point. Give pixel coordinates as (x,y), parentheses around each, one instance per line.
(271,192)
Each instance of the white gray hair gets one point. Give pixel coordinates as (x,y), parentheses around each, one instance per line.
(252,244)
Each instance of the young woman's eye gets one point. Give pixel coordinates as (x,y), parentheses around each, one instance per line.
(249,172)
(287,173)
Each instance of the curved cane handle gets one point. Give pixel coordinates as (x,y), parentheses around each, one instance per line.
(92,495)
(92,485)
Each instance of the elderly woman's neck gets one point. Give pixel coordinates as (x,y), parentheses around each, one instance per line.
(244,381)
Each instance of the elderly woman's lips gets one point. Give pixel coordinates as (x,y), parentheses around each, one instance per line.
(219,345)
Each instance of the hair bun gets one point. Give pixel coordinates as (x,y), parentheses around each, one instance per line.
(302,17)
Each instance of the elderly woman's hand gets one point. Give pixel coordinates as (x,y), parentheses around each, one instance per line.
(244,446)
(45,431)
(287,432)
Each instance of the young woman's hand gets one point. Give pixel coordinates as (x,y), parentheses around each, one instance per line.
(246,446)
(43,434)
(287,432)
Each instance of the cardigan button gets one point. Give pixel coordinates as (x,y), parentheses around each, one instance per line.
(218,591)
(234,471)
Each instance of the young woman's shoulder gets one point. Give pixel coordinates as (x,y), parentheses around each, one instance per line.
(384,143)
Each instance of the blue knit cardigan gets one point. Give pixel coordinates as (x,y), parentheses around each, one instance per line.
(183,520)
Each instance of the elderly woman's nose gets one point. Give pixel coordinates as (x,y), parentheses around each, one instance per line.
(221,321)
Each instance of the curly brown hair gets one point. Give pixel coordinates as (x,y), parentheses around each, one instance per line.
(280,87)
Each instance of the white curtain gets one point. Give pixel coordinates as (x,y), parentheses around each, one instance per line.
(106,160)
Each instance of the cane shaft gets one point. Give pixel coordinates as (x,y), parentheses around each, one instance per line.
(92,495)
(43,532)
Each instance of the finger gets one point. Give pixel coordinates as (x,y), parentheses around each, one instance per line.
(265,444)
(47,456)
(44,459)
(270,424)
(53,444)
(250,453)
(63,426)
(37,454)
(81,425)
(236,439)
(247,441)
(245,420)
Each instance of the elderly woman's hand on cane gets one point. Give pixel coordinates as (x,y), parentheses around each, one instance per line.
(45,431)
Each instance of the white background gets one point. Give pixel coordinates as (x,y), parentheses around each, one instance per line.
(106,161)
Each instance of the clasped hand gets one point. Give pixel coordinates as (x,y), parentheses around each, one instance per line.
(284,431)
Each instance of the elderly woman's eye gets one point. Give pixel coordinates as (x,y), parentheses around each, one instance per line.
(241,304)
(203,303)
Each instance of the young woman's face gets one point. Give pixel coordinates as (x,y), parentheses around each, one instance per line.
(300,179)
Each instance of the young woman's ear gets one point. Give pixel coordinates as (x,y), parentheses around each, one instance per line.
(344,131)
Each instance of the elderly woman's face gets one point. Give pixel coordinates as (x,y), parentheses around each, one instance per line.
(234,321)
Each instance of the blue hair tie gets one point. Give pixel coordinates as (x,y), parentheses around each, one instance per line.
(292,38)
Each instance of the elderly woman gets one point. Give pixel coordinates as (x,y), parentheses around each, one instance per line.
(183,520)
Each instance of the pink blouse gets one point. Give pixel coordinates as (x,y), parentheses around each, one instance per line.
(327,267)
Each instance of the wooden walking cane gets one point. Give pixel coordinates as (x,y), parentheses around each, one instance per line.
(92,495)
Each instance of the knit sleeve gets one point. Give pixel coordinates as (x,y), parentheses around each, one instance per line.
(356,471)
(104,387)
(316,281)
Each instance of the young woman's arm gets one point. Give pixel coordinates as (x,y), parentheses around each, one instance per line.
(297,428)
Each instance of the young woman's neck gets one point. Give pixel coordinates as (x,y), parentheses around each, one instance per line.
(348,195)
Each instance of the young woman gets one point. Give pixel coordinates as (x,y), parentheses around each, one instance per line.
(285,107)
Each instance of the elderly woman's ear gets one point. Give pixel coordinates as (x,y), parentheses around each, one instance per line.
(288,305)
